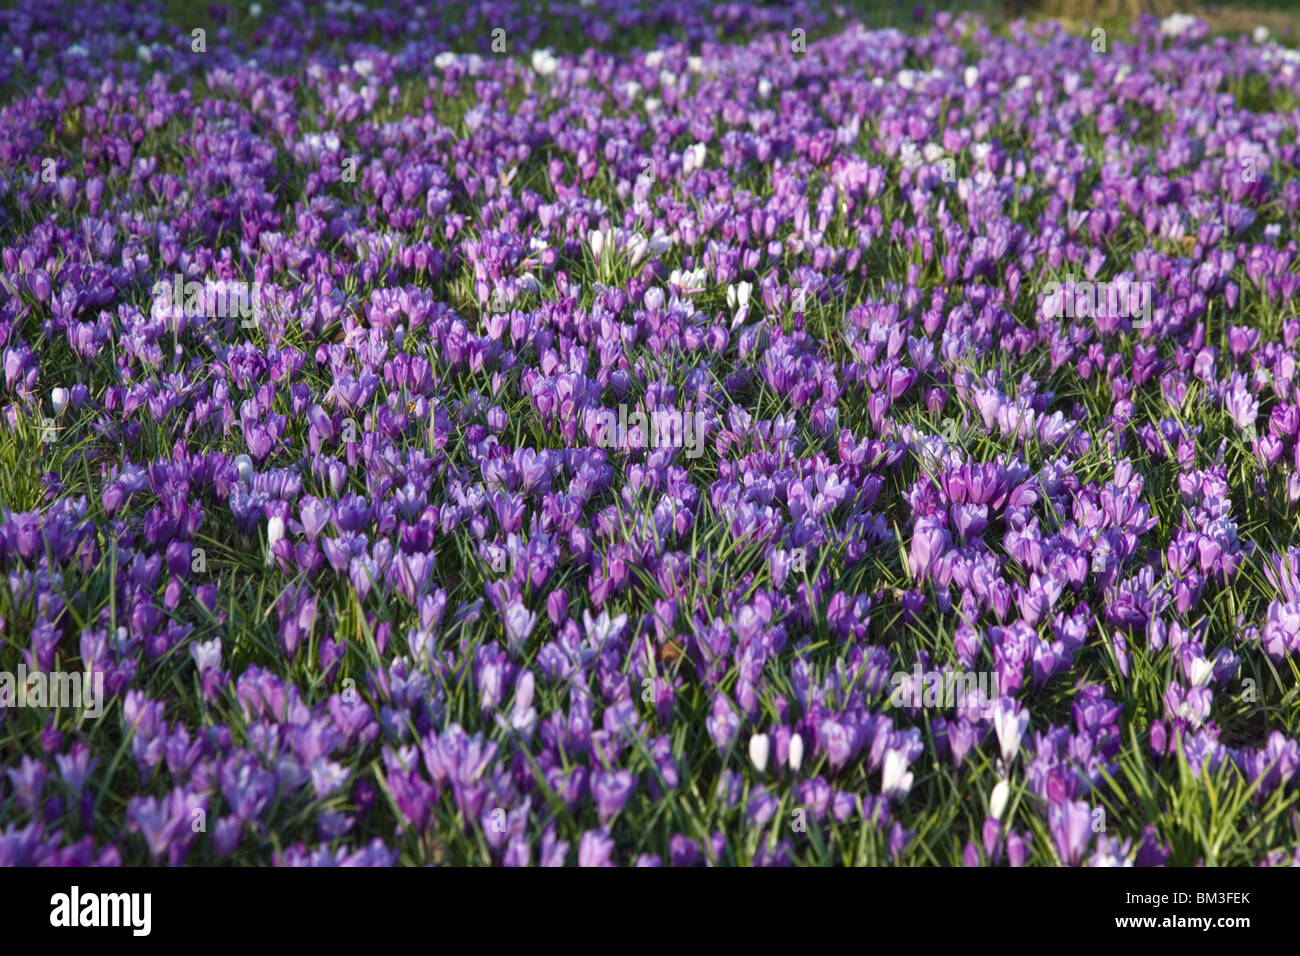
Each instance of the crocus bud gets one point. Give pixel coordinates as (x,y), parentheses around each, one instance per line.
(998,799)
(274,533)
(59,399)
(796,752)
(759,746)
(1009,723)
(245,466)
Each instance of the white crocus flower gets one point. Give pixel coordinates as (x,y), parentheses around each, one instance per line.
(687,283)
(759,746)
(909,157)
(544,63)
(738,294)
(274,533)
(636,248)
(895,778)
(601,629)
(796,752)
(660,243)
(1010,727)
(244,465)
(738,299)
(1176,24)
(998,799)
(693,158)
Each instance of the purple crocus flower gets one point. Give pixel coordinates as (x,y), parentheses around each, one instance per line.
(594,848)
(1070,823)
(611,790)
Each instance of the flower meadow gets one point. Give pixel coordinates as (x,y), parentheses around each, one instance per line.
(646,435)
